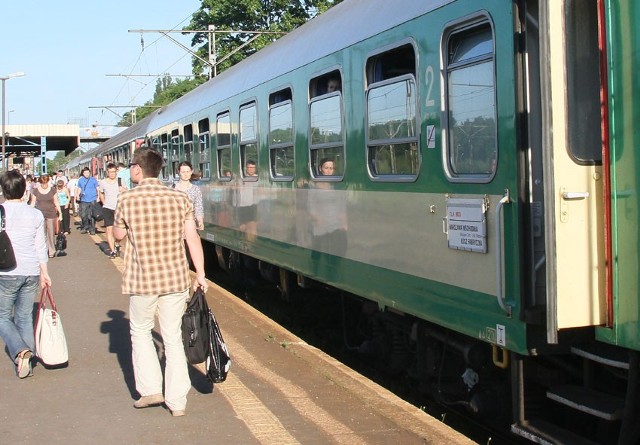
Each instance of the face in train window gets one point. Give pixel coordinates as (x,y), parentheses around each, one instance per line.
(249,141)
(471,107)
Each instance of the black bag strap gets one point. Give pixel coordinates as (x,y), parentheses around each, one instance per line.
(2,218)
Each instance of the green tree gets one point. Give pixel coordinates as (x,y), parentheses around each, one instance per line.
(167,90)
(279,16)
(60,160)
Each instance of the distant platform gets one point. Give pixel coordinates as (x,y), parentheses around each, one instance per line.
(28,141)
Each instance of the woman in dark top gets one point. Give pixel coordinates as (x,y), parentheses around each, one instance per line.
(45,198)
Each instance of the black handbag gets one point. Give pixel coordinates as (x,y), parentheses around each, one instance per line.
(195,332)
(97,212)
(7,256)
(61,242)
(219,360)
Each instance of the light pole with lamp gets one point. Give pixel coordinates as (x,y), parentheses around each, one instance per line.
(3,79)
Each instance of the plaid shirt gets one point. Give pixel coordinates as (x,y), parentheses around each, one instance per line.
(155,262)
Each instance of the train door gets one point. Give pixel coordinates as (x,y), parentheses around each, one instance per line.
(572,157)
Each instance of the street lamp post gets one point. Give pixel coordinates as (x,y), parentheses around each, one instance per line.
(3,79)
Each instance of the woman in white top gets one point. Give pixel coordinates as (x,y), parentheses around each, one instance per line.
(19,287)
(109,191)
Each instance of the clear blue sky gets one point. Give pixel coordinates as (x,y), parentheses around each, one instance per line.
(67,48)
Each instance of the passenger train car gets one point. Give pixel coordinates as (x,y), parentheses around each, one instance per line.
(484,194)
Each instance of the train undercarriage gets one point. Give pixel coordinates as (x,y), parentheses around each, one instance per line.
(587,393)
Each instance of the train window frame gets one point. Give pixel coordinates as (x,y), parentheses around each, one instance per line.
(249,141)
(223,148)
(464,32)
(175,154)
(278,101)
(204,155)
(328,150)
(164,152)
(583,84)
(188,145)
(379,76)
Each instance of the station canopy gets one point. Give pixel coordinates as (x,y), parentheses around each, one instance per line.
(31,140)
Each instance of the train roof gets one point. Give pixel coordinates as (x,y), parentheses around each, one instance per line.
(341,26)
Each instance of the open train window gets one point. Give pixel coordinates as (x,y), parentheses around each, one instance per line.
(327,83)
(223,145)
(326,133)
(204,143)
(175,153)
(281,148)
(164,151)
(392,126)
(249,141)
(472,142)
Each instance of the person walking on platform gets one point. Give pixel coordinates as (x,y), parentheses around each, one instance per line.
(124,177)
(71,185)
(109,191)
(19,287)
(87,195)
(45,198)
(155,218)
(64,200)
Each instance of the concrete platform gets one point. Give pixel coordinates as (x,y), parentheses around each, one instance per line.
(279,391)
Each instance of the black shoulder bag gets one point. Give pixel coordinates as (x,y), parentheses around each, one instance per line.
(7,256)
(195,333)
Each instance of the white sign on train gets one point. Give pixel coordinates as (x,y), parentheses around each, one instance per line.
(467,225)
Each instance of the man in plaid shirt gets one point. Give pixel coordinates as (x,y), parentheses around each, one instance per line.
(157,220)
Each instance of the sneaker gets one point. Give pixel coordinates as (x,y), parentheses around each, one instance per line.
(147,401)
(23,364)
(93,232)
(83,231)
(178,413)
(61,253)
(112,255)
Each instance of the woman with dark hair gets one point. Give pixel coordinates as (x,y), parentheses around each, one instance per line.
(45,198)
(19,287)
(185,171)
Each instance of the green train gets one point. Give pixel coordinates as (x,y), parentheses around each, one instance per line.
(466,168)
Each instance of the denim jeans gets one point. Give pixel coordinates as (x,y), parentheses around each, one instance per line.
(17,295)
(86,214)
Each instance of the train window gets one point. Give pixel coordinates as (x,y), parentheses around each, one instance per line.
(389,64)
(326,137)
(175,153)
(164,151)
(223,144)
(583,82)
(392,135)
(327,83)
(281,149)
(472,148)
(249,142)
(204,162)
(188,144)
